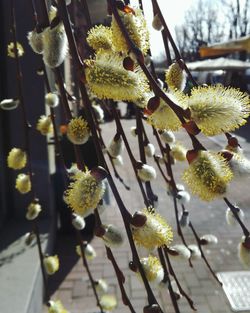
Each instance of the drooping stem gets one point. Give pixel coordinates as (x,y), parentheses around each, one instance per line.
(58,149)
(202,253)
(180,113)
(86,13)
(167,33)
(26,127)
(179,229)
(125,214)
(168,281)
(171,271)
(85,264)
(120,279)
(132,159)
(26,124)
(141,142)
(235,212)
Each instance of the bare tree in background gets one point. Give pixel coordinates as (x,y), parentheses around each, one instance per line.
(202,25)
(237,15)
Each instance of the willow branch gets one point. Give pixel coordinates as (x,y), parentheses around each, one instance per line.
(120,279)
(167,33)
(27,127)
(171,271)
(125,214)
(202,253)
(168,281)
(235,212)
(139,126)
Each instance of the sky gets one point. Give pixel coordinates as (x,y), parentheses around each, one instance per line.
(173,11)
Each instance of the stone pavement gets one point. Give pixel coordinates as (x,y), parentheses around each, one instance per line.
(73,287)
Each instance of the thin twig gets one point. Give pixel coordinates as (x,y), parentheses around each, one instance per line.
(171,271)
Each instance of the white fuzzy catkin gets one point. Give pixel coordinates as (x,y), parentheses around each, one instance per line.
(29,238)
(36,41)
(55,45)
(115,147)
(167,136)
(9,104)
(89,251)
(170,191)
(183,252)
(244,253)
(51,99)
(101,286)
(113,236)
(78,222)
(146,173)
(133,131)
(118,161)
(231,220)
(156,23)
(73,170)
(240,165)
(183,197)
(98,112)
(195,252)
(208,239)
(149,150)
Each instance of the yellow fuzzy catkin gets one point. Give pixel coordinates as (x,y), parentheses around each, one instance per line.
(33,210)
(44,125)
(11,50)
(84,193)
(99,37)
(23,183)
(78,131)
(164,118)
(208,175)
(155,233)
(56,307)
(51,264)
(17,159)
(175,77)
(136,27)
(218,109)
(152,268)
(108,302)
(178,152)
(108,79)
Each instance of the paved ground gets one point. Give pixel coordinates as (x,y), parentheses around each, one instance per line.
(73,285)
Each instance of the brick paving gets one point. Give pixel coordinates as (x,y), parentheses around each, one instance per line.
(73,287)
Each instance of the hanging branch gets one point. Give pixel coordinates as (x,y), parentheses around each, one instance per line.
(139,126)
(125,214)
(132,159)
(202,253)
(120,279)
(85,264)
(171,271)
(180,113)
(235,212)
(27,127)
(167,280)
(166,32)
(58,149)
(80,163)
